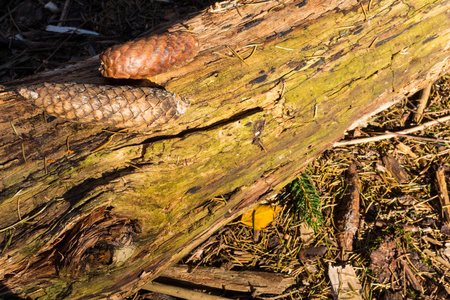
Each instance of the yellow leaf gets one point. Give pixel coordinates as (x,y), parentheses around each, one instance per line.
(260,216)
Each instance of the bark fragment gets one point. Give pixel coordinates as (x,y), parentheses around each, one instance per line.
(344,282)
(347,217)
(396,170)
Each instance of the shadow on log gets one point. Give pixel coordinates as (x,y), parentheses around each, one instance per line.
(88,212)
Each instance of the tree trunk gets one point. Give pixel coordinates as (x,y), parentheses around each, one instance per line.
(78,222)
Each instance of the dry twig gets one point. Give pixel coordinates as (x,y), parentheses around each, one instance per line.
(391,135)
(443,194)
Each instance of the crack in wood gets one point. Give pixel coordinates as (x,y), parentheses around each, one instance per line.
(234,118)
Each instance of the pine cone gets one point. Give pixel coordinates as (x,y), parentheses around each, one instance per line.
(118,106)
(149,56)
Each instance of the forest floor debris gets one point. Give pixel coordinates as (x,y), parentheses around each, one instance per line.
(401,249)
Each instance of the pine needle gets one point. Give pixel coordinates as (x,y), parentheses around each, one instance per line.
(307,200)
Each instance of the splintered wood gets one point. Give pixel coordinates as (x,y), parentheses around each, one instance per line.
(344,282)
(424,95)
(242,281)
(347,217)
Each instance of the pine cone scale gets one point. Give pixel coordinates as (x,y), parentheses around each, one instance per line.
(118,106)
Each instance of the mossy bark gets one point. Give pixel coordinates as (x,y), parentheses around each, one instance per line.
(82,223)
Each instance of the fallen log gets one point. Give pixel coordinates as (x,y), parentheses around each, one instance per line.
(89,211)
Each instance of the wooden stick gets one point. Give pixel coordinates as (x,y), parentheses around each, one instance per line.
(64,12)
(241,281)
(179,292)
(391,135)
(436,257)
(347,212)
(443,194)
(419,138)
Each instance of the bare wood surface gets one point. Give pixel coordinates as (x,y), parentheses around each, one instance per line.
(143,199)
(344,282)
(253,282)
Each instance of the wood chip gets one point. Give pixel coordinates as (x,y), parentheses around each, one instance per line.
(424,95)
(432,241)
(306,234)
(396,170)
(344,282)
(312,253)
(406,149)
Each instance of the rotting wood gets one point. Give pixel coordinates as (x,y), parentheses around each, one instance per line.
(159,185)
(253,282)
(347,213)
(180,292)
